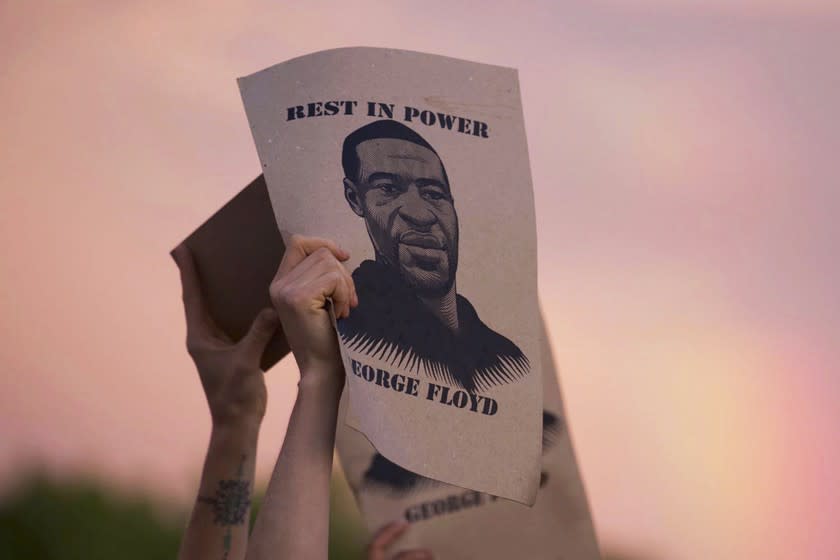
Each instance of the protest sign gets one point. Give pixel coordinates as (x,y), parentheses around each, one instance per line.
(418,165)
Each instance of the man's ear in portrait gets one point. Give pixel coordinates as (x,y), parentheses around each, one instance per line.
(353,197)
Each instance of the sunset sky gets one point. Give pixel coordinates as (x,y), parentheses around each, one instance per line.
(685,157)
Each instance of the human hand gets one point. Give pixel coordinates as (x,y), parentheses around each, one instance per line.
(230,372)
(386,536)
(309,274)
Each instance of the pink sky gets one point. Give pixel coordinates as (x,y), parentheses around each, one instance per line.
(685,165)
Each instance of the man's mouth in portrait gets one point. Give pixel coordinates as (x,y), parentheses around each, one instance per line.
(423,240)
(425,249)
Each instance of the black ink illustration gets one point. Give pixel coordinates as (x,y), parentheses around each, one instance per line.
(409,312)
(383,475)
(389,477)
(552,428)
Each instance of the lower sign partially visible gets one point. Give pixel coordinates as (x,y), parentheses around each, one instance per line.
(458,523)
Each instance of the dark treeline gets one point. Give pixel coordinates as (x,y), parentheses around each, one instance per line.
(45,519)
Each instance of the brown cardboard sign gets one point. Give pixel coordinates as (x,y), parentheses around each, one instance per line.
(237,252)
(453,522)
(418,165)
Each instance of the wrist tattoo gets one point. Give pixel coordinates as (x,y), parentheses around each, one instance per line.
(232,499)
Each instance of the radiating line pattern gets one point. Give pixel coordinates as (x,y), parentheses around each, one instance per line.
(502,369)
(392,325)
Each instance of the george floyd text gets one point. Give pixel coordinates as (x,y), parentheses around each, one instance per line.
(413,387)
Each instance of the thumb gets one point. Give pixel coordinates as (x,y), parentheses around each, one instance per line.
(262,329)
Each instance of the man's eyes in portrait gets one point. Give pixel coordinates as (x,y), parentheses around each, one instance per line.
(433,193)
(387,188)
(385,184)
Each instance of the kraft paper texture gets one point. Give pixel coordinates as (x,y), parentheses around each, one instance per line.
(418,166)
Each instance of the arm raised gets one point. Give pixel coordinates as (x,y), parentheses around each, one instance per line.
(294,518)
(233,383)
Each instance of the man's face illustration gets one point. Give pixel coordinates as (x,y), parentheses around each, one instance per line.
(402,194)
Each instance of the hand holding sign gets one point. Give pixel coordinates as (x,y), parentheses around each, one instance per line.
(236,394)
(309,275)
(230,372)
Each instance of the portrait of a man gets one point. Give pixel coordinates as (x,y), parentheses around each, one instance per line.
(410,313)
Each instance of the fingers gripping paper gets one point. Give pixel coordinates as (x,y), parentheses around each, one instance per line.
(418,165)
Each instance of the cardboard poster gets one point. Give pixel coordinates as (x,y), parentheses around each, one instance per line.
(237,252)
(453,522)
(418,165)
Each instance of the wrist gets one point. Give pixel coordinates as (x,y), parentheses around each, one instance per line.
(238,426)
(324,381)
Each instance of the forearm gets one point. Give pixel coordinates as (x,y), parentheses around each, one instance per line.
(294,518)
(218,526)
